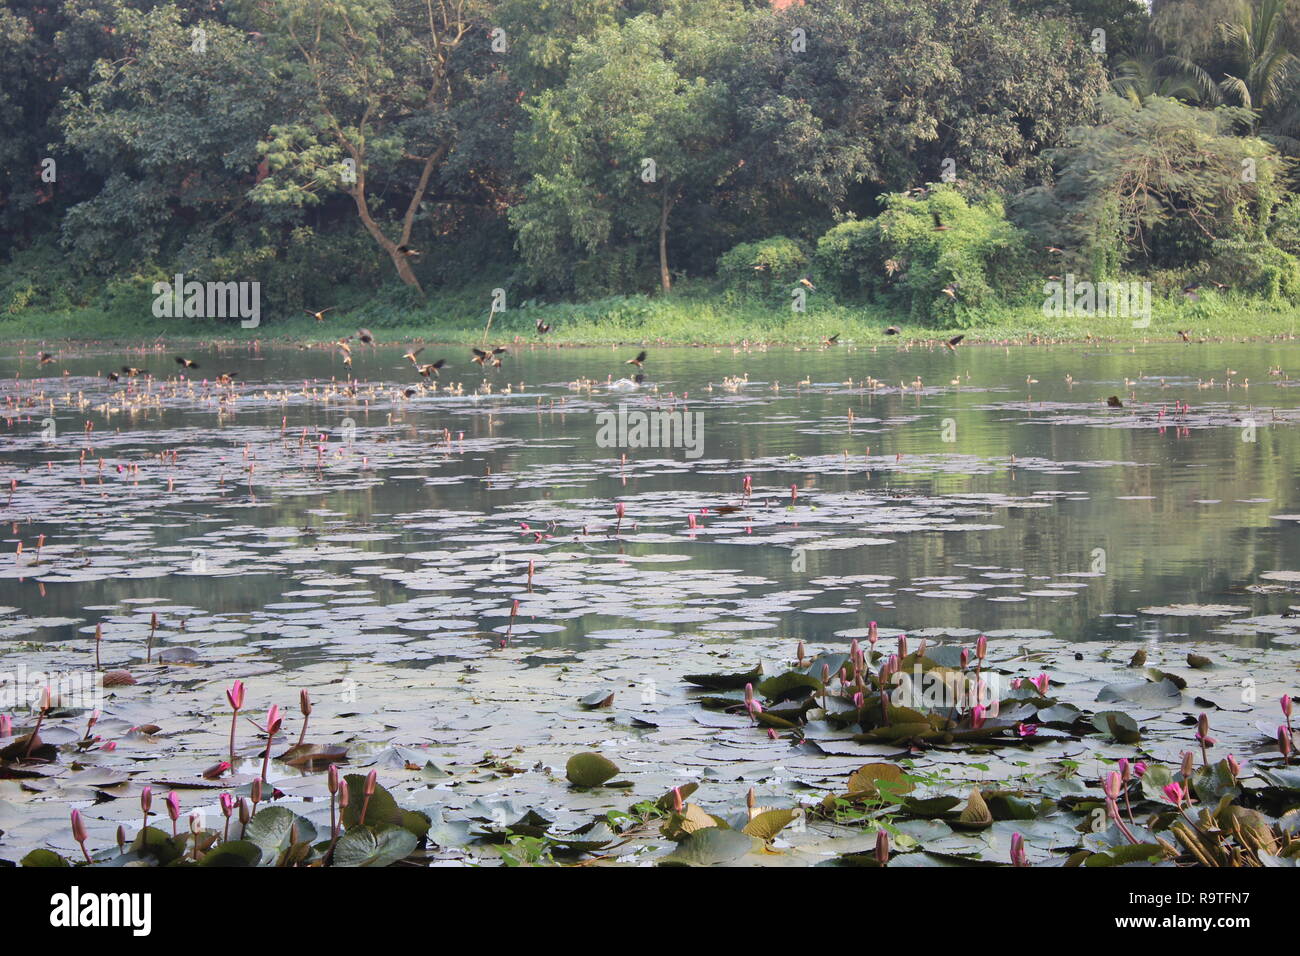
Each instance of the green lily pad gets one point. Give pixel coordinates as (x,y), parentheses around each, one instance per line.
(589,770)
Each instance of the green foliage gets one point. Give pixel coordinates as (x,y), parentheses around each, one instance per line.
(768,268)
(1153,184)
(900,256)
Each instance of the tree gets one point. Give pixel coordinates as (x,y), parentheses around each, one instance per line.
(171,128)
(1158,183)
(379,100)
(638,129)
(895,93)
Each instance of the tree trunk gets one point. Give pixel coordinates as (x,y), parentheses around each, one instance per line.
(665,278)
(395,250)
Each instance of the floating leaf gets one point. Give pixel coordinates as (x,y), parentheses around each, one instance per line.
(589,770)
(710,847)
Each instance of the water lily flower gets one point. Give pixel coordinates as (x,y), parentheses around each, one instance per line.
(273,722)
(1124,769)
(367,792)
(235,694)
(977,716)
(1234,768)
(771,734)
(1027,730)
(1113,785)
(1018,855)
(173,808)
(873,634)
(1175,793)
(1286,706)
(1139,768)
(1041,682)
(79,833)
(1016,682)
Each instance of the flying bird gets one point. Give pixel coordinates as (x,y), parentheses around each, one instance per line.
(542,327)
(133,372)
(411,354)
(365,336)
(807,283)
(953,342)
(832,339)
(938,222)
(320,315)
(639,361)
(186,363)
(1114,402)
(480,356)
(893,330)
(432,368)
(45,357)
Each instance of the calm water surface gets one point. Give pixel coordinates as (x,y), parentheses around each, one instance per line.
(938,492)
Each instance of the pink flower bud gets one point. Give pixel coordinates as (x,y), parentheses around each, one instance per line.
(78,827)
(173,806)
(236,695)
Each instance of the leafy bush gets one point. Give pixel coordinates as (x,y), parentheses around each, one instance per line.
(762,268)
(904,257)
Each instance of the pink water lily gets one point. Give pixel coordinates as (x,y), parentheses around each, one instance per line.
(1018,855)
(173,808)
(977,717)
(79,833)
(1041,682)
(1175,793)
(1027,730)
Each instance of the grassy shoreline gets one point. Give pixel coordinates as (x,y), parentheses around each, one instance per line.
(687,319)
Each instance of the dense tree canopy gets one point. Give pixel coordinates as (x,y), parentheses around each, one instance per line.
(613,146)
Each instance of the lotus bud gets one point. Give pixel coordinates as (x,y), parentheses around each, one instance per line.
(1018,855)
(771,734)
(1113,785)
(800,650)
(255,791)
(678,805)
(981,647)
(1234,768)
(245,811)
(1284,742)
(371,779)
(121,839)
(146,799)
(1286,706)
(750,800)
(1175,794)
(749,693)
(273,721)
(1139,768)
(196,826)
(965,658)
(236,695)
(78,827)
(1189,764)
(332,778)
(977,716)
(902,645)
(304,702)
(873,634)
(173,802)
(882,847)
(227,805)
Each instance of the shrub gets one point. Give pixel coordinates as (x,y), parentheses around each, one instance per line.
(768,267)
(901,256)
